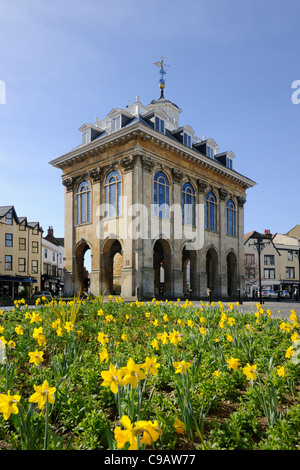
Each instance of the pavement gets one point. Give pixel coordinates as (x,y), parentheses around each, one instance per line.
(281,309)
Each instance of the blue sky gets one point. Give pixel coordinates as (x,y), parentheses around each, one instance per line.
(231,68)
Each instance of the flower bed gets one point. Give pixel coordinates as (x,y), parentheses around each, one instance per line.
(154,375)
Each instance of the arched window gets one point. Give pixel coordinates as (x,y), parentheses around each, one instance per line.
(84,203)
(230,218)
(211,211)
(113,194)
(161,195)
(188,204)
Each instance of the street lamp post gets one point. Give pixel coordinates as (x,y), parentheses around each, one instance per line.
(259,244)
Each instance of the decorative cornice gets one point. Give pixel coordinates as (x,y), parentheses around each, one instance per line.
(68,183)
(127,163)
(95,174)
(138,130)
(223,193)
(241,200)
(202,185)
(177,175)
(148,163)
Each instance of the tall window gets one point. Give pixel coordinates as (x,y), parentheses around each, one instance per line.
(269,273)
(187,140)
(113,194)
(8,263)
(35,247)
(84,203)
(8,239)
(9,218)
(230,218)
(22,244)
(22,265)
(159,125)
(161,195)
(34,266)
(269,259)
(211,211)
(290,272)
(188,204)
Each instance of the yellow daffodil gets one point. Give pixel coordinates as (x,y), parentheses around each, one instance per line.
(280,371)
(174,337)
(104,356)
(181,367)
(229,338)
(35,318)
(112,378)
(179,426)
(132,373)
(102,338)
(19,330)
(8,404)
(68,326)
(39,335)
(295,337)
(42,393)
(150,366)
(1,329)
(154,344)
(59,331)
(250,372)
(36,357)
(216,373)
(164,337)
(289,352)
(233,363)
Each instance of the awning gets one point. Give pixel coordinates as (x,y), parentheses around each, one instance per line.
(17,279)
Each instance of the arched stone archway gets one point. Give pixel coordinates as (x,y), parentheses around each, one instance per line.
(189,270)
(162,268)
(212,267)
(112,266)
(232,284)
(82,274)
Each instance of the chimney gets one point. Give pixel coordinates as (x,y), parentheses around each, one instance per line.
(267,232)
(50,231)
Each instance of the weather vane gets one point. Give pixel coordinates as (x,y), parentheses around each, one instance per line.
(162,72)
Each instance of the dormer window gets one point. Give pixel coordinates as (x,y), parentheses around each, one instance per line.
(9,218)
(210,152)
(85,137)
(229,163)
(187,140)
(115,124)
(159,125)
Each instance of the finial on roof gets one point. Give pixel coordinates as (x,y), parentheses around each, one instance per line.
(162,72)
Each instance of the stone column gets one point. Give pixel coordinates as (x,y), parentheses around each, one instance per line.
(223,194)
(94,177)
(176,243)
(202,276)
(147,272)
(129,188)
(69,236)
(240,234)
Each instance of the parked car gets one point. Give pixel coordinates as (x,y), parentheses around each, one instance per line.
(269,294)
(285,294)
(44,293)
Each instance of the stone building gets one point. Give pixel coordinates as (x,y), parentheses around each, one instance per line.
(161,209)
(52,263)
(20,254)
